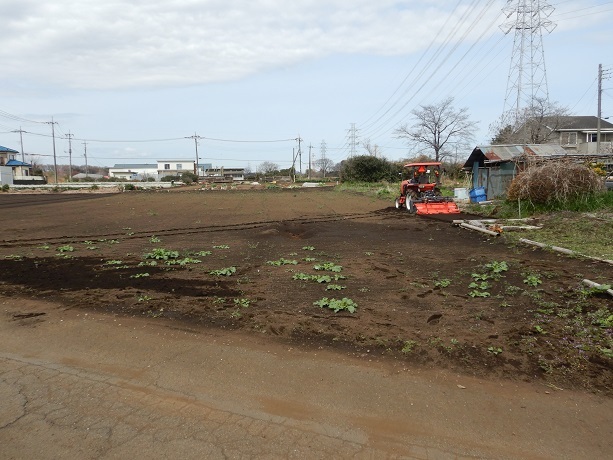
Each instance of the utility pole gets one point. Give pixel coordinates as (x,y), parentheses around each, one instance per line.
(53,123)
(69,136)
(601,74)
(599,108)
(196,138)
(310,147)
(20,131)
(300,152)
(85,155)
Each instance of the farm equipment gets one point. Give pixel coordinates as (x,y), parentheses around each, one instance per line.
(420,193)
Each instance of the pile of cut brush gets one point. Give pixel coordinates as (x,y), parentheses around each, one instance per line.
(557,181)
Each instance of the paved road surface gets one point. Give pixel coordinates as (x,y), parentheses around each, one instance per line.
(76,385)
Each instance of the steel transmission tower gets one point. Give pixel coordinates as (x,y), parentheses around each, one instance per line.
(352,139)
(527,76)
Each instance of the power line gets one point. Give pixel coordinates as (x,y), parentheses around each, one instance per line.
(17,117)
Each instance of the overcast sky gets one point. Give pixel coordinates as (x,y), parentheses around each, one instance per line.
(115,71)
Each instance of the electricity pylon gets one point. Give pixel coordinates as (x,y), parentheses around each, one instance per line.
(527,74)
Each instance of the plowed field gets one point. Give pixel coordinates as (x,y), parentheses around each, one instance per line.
(424,291)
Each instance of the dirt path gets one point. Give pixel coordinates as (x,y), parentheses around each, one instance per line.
(87,385)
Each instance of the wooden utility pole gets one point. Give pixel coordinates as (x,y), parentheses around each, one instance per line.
(21,131)
(85,155)
(69,136)
(599,108)
(196,138)
(53,123)
(310,147)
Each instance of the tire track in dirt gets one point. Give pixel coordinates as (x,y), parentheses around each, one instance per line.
(23,242)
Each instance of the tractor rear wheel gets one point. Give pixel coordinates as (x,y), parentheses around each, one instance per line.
(410,205)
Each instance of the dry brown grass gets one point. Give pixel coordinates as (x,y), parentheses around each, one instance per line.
(555,181)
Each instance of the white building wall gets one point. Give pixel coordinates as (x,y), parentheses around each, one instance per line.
(6,175)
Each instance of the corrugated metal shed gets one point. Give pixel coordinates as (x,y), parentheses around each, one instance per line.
(489,154)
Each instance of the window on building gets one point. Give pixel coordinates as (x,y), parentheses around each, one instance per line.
(179,166)
(592,137)
(568,139)
(166,165)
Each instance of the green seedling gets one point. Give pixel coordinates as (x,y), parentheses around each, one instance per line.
(494,350)
(154,239)
(242,302)
(66,248)
(408,346)
(113,262)
(442,283)
(337,305)
(282,261)
(228,271)
(221,246)
(308,248)
(328,266)
(532,280)
(335,287)
(162,254)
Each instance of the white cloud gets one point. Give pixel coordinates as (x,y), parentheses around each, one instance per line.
(121,44)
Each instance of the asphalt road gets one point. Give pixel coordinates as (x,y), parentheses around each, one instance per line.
(77,385)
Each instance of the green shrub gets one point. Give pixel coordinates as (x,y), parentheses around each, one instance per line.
(367,168)
(170,178)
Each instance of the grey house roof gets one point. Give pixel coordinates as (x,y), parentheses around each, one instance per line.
(136,166)
(582,123)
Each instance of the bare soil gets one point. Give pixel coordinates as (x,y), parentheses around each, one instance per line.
(409,276)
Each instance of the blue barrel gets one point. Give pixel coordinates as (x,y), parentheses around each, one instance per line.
(477,195)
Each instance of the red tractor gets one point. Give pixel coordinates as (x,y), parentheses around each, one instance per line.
(420,193)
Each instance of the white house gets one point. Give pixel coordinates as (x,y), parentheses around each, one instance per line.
(237,174)
(178,167)
(134,171)
(157,170)
(13,171)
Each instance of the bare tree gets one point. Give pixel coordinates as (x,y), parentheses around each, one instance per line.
(267,167)
(533,125)
(439,126)
(372,149)
(325,165)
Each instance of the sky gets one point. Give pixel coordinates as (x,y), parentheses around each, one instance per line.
(132,81)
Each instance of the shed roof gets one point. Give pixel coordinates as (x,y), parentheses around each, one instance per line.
(488,154)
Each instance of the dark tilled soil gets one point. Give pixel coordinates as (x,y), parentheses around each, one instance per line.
(410,278)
